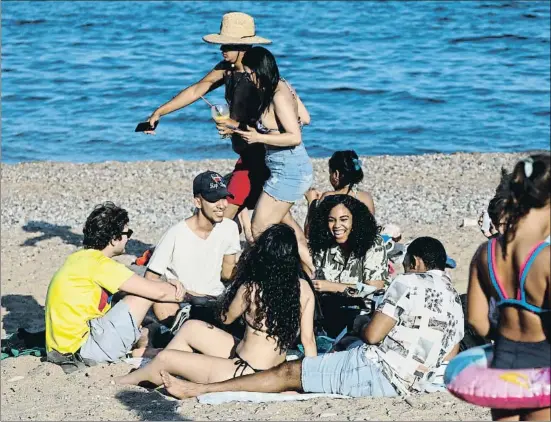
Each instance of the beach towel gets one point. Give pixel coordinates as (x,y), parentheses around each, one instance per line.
(247,396)
(24,343)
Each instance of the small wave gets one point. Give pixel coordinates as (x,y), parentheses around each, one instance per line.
(498,5)
(529,16)
(427,100)
(542,113)
(362,91)
(412,130)
(30,22)
(153,30)
(488,38)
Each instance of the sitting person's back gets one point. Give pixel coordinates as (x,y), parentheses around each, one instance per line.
(428,314)
(349,256)
(513,269)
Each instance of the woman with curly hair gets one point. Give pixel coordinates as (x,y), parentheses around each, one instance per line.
(275,304)
(349,256)
(513,269)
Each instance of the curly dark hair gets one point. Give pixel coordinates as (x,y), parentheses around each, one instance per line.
(529,187)
(349,167)
(364,226)
(271,267)
(104,224)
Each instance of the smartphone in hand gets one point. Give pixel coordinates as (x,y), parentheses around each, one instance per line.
(143,126)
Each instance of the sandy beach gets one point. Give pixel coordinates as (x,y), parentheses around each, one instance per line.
(44,206)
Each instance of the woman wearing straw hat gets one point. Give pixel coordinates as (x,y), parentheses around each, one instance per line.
(237,35)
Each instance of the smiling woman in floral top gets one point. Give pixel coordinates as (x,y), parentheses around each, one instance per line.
(349,256)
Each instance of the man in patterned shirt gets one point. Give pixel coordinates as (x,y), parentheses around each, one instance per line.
(418,324)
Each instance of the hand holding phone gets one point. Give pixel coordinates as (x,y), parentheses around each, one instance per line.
(145,126)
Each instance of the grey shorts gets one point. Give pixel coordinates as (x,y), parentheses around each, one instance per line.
(348,373)
(111,336)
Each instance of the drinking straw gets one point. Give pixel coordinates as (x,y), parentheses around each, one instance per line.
(205,100)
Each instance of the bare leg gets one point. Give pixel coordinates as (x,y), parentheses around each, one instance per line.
(284,377)
(270,211)
(537,415)
(303,250)
(203,337)
(245,219)
(138,307)
(231,211)
(164,311)
(192,366)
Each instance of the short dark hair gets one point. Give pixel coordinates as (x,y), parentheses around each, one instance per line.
(430,251)
(104,224)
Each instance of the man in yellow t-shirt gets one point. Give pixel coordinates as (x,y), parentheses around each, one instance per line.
(81,325)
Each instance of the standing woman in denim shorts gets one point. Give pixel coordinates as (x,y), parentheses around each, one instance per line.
(279,129)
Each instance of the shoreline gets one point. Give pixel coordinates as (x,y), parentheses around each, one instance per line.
(235,157)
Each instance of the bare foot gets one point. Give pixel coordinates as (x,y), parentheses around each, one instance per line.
(179,388)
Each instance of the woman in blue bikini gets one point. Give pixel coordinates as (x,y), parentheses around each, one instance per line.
(514,270)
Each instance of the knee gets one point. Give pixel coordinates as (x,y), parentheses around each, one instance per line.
(163,356)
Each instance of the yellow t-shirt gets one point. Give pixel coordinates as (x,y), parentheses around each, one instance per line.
(80,291)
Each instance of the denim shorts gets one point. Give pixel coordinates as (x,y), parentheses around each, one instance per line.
(111,336)
(348,373)
(291,173)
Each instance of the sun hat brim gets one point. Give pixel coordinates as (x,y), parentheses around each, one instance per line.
(223,39)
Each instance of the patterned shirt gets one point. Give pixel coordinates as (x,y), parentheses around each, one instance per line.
(330,265)
(429,323)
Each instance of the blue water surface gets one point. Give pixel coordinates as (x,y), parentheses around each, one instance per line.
(379,77)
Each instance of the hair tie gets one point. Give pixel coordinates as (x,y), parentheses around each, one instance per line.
(357,164)
(528,166)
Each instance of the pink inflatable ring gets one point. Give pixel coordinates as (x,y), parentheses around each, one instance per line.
(469,378)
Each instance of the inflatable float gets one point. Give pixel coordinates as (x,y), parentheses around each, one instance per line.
(469,377)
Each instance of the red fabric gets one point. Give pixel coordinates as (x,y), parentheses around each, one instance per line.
(104,300)
(246,183)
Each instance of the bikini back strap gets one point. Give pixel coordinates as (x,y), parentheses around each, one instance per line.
(492,270)
(521,295)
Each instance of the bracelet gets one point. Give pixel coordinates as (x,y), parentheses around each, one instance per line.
(350,292)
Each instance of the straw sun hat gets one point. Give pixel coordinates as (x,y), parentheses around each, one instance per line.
(236,28)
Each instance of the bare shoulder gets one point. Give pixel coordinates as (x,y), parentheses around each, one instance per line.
(365,196)
(282,91)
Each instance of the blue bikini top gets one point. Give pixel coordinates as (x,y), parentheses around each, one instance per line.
(521,293)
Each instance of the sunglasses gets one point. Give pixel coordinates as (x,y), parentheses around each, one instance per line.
(128,233)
